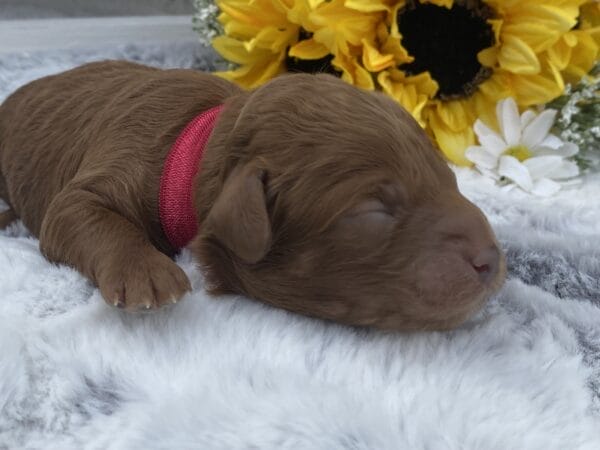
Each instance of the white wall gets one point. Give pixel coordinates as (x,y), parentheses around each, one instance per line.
(24,9)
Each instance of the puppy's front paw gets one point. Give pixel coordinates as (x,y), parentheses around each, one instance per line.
(150,281)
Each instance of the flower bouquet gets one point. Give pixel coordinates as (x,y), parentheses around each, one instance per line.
(451,63)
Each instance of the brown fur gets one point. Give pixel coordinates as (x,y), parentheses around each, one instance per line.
(313,196)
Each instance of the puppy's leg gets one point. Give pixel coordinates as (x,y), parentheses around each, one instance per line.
(81,230)
(6,218)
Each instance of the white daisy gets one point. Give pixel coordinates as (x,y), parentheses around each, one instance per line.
(525,152)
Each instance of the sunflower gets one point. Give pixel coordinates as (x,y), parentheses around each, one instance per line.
(448,62)
(268,37)
(257,34)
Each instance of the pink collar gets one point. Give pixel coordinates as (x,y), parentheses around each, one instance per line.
(175,202)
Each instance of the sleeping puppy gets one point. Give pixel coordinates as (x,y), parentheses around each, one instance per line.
(306,193)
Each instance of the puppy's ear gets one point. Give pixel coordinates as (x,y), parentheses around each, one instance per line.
(239,218)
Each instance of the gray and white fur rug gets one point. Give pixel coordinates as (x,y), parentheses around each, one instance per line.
(229,373)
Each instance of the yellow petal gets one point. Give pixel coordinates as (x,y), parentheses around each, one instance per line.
(485,109)
(240,13)
(590,15)
(363,78)
(594,33)
(560,53)
(283,5)
(452,143)
(412,92)
(240,30)
(308,49)
(537,36)
(367,5)
(444,3)
(456,114)
(583,58)
(405,95)
(233,50)
(534,89)
(314,3)
(253,76)
(488,56)
(393,46)
(298,14)
(353,73)
(394,31)
(425,83)
(517,57)
(338,27)
(373,60)
(497,87)
(570,39)
(382,32)
(496,25)
(589,19)
(558,17)
(272,38)
(555,71)
(261,13)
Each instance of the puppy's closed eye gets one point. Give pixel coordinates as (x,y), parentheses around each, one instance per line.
(375,218)
(372,220)
(372,211)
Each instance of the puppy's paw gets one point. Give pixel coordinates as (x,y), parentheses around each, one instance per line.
(146,283)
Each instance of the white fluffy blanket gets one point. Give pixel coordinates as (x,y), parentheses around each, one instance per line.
(229,373)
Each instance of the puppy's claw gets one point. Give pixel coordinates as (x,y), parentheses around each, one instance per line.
(148,305)
(174,300)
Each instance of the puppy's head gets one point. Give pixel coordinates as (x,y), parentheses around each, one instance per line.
(330,201)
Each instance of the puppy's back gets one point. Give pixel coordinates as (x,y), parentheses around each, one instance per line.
(107,117)
(47,127)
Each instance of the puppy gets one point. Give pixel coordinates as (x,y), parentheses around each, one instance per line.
(306,193)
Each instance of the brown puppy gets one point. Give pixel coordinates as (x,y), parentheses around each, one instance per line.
(312,196)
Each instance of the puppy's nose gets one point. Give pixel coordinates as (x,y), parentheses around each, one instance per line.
(486,263)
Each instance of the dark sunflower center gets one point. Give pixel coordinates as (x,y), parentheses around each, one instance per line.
(322,65)
(445,42)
